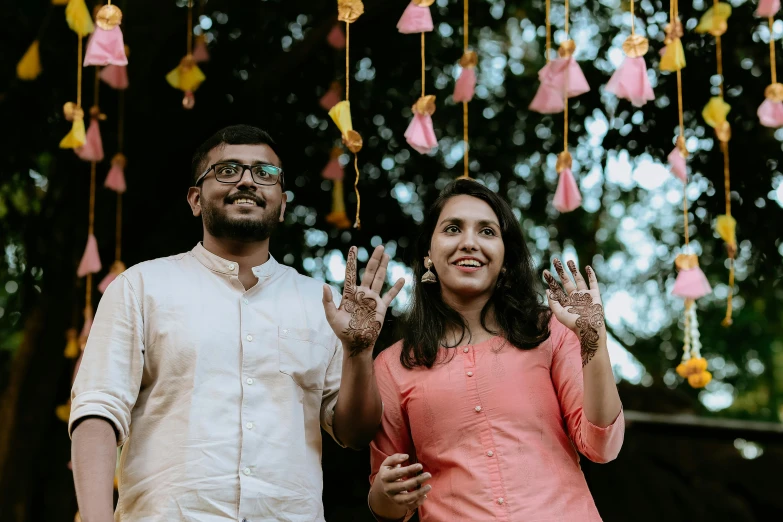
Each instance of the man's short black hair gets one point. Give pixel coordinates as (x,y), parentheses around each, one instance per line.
(233,135)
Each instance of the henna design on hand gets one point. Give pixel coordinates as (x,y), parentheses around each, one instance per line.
(363,328)
(591,316)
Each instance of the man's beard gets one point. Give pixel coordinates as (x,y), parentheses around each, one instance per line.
(245,229)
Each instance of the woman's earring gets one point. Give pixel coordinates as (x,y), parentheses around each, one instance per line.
(428,276)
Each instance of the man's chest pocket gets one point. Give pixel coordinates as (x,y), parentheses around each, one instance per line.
(302,357)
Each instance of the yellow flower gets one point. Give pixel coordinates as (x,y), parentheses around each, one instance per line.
(673,58)
(696,365)
(715,112)
(699,380)
(726,226)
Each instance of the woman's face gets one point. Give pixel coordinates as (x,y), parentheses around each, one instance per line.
(467,250)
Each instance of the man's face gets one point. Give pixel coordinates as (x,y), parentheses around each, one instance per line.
(241,210)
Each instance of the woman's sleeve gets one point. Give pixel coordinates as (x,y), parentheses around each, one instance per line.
(394,435)
(599,444)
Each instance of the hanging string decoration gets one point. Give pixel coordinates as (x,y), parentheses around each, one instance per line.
(465,87)
(187,76)
(420,133)
(115,181)
(106,45)
(630,80)
(349,11)
(691,283)
(116,76)
(334,172)
(200,51)
(336,38)
(78,17)
(770,112)
(561,78)
(564,76)
(29,67)
(715,22)
(331,97)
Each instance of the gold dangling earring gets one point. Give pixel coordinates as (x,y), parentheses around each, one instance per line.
(428,276)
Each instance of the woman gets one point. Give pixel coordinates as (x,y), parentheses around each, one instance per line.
(489,395)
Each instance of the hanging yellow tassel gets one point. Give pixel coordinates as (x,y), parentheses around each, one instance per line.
(72,345)
(715,20)
(29,67)
(726,227)
(186,76)
(78,17)
(715,112)
(77,137)
(338,216)
(63,412)
(673,58)
(341,115)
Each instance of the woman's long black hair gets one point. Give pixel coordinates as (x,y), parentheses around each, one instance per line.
(518,307)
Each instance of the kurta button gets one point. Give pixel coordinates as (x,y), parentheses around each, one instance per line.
(245,301)
(249,380)
(470,374)
(466,349)
(490,453)
(246,471)
(478,408)
(500,500)
(231,266)
(249,338)
(249,426)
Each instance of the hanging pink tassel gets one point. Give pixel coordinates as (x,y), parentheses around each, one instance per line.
(768,8)
(117,268)
(332,97)
(333,170)
(336,37)
(106,48)
(549,96)
(630,82)
(677,165)
(554,74)
(91,260)
(770,113)
(415,19)
(200,52)
(116,76)
(547,100)
(465,87)
(420,134)
(92,150)
(567,195)
(691,284)
(106,281)
(115,179)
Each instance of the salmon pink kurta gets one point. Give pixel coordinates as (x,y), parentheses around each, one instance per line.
(498,428)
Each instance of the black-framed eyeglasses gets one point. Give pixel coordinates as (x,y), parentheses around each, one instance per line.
(232,172)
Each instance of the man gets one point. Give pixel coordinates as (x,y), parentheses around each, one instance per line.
(216,368)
